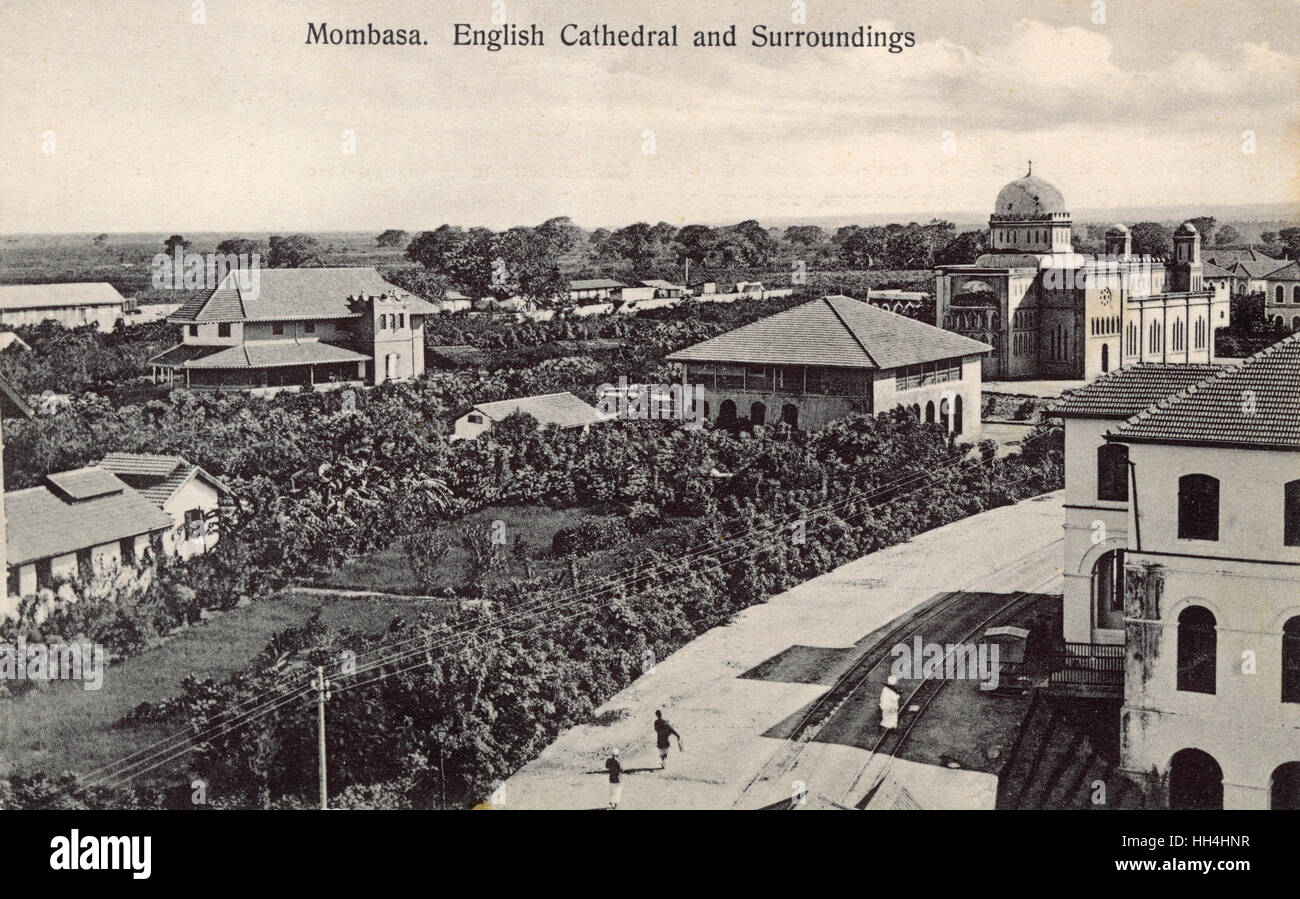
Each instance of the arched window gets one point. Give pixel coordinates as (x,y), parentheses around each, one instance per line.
(929,412)
(945,414)
(1284,787)
(727,412)
(390,366)
(1295,293)
(1197,650)
(1112,472)
(1291,660)
(1105,357)
(1291,514)
(1198,507)
(1108,591)
(916,411)
(1295,323)
(1280,293)
(956,415)
(757,414)
(1195,781)
(790,415)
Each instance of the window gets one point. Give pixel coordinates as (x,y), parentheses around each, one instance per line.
(1112,472)
(277,328)
(1198,507)
(194,330)
(44,573)
(1105,357)
(1291,660)
(223,329)
(956,416)
(1291,514)
(194,524)
(401,319)
(1280,293)
(475,419)
(1108,591)
(309,328)
(929,412)
(1197,648)
(126,549)
(1295,293)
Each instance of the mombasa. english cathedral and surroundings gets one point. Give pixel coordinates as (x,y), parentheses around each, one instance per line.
(587,428)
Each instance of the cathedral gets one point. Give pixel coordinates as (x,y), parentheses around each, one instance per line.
(1049,312)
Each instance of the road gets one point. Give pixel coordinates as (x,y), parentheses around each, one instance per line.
(737,692)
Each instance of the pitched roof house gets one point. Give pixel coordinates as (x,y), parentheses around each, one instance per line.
(827,357)
(562,409)
(186,492)
(301,327)
(71,305)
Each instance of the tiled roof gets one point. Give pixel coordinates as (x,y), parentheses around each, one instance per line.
(834,330)
(12,403)
(85,483)
(1258,268)
(258,354)
(1255,405)
(45,296)
(1125,392)
(1229,258)
(42,522)
(156,477)
(663,285)
(1210,270)
(594,284)
(9,338)
(1289,272)
(563,409)
(293,293)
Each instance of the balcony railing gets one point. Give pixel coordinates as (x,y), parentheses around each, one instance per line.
(1088,667)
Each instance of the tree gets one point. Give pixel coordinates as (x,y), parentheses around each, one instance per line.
(864,247)
(1290,238)
(466,258)
(393,237)
(171,243)
(238,246)
(562,234)
(695,242)
(763,248)
(636,243)
(524,265)
(909,248)
(100,239)
(1152,239)
(805,234)
(964,249)
(1204,224)
(844,233)
(419,281)
(293,251)
(1228,236)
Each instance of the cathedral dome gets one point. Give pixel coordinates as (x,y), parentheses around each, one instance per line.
(1028,197)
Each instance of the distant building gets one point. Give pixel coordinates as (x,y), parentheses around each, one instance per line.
(1221,280)
(1049,312)
(1190,564)
(76,525)
(1282,296)
(186,492)
(663,289)
(302,327)
(561,409)
(71,305)
(1252,274)
(824,359)
(594,290)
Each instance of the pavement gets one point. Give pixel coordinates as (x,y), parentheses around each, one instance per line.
(731,717)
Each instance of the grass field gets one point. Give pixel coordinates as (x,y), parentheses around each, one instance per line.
(61,726)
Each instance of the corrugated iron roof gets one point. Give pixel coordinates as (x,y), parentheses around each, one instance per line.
(45,296)
(1255,405)
(594,284)
(42,522)
(563,409)
(285,294)
(835,331)
(1124,392)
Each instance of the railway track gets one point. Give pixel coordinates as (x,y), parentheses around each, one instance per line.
(820,713)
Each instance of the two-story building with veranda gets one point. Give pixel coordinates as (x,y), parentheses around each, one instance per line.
(1049,312)
(297,327)
(829,357)
(1211,585)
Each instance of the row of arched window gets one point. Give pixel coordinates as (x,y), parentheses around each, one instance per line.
(949,416)
(1106,324)
(392,321)
(1279,293)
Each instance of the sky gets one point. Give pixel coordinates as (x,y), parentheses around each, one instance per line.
(216,115)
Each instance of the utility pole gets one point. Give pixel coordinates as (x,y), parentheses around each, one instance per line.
(322,688)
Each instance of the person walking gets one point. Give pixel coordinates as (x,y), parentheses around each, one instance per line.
(663,732)
(615,780)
